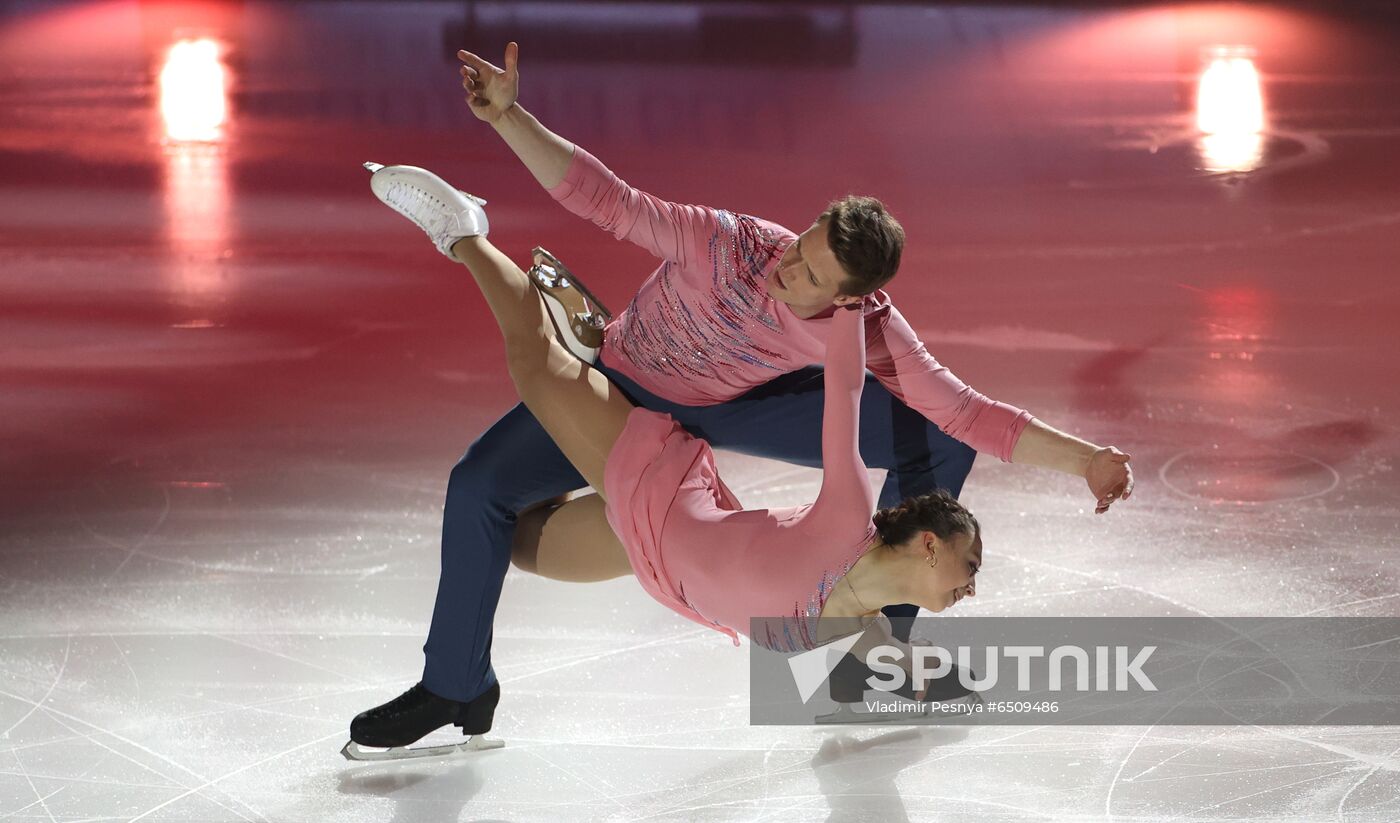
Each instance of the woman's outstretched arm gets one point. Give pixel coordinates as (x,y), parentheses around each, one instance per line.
(846,500)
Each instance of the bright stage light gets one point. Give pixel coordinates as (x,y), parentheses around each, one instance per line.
(198,199)
(193,93)
(1230,110)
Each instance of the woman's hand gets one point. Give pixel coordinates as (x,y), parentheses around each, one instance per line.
(1109,476)
(490,90)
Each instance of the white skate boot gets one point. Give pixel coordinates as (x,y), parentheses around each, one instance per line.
(444,213)
(579,317)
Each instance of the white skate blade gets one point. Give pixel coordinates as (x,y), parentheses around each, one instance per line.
(374,167)
(354,751)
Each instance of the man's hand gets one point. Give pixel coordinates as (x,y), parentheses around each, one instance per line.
(490,90)
(1110,477)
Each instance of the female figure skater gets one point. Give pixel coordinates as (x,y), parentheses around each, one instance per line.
(674,523)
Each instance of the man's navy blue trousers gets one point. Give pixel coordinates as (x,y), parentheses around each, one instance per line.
(515,464)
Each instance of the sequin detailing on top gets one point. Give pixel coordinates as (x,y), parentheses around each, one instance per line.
(799,631)
(661,335)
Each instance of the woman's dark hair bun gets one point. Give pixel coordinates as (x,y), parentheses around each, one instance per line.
(937,512)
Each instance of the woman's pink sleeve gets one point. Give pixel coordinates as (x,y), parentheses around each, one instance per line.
(846,501)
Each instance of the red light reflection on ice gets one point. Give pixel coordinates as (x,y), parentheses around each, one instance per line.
(197,223)
(1238,323)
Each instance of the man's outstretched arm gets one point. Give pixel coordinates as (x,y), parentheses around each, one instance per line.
(575,178)
(899,360)
(1105,469)
(491,94)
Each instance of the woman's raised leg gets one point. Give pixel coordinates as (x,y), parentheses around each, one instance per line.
(579,407)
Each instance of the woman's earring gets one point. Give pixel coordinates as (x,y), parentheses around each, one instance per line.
(933,557)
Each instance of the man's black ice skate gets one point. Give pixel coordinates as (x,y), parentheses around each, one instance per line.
(415,713)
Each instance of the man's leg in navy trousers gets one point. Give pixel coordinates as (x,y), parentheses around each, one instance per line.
(511,466)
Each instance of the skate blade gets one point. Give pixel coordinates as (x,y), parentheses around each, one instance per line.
(541,255)
(374,167)
(354,751)
(845,714)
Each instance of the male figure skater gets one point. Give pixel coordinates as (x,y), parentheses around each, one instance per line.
(719,338)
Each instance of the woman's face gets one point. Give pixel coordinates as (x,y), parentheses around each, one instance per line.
(954,575)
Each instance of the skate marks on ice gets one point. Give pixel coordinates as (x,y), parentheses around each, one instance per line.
(143,762)
(161,510)
(615,706)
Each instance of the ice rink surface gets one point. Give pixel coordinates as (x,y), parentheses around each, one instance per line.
(232,385)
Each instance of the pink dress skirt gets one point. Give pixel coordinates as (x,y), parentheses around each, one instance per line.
(657,474)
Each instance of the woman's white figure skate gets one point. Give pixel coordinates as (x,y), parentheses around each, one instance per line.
(445,214)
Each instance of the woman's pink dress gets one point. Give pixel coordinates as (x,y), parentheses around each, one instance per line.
(696,550)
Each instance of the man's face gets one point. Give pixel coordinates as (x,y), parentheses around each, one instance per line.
(808,278)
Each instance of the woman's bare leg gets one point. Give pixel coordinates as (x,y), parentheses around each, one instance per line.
(579,407)
(569,541)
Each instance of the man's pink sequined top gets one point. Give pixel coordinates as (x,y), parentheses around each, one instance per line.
(703,329)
